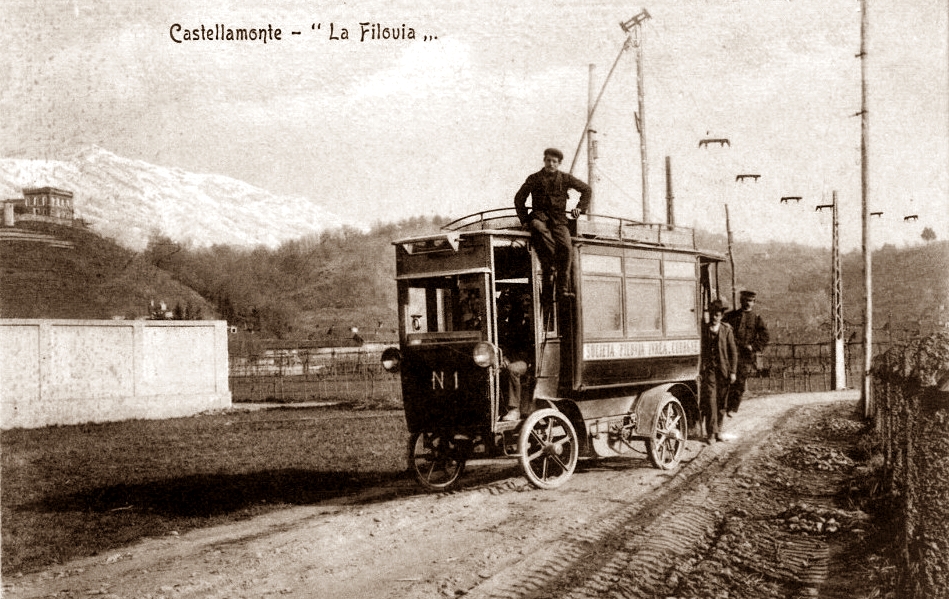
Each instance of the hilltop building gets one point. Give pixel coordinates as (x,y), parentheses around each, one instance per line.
(49,204)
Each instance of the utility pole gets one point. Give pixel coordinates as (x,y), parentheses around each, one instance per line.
(866,398)
(840,366)
(731,256)
(670,199)
(633,27)
(839,370)
(591,133)
(728,228)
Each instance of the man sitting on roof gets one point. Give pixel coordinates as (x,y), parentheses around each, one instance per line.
(547,218)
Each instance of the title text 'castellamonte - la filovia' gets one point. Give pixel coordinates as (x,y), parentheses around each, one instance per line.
(220,32)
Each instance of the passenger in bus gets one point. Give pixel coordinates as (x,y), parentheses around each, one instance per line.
(515,338)
(719,365)
(751,336)
(470,309)
(547,220)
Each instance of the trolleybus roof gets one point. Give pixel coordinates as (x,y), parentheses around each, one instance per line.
(596,227)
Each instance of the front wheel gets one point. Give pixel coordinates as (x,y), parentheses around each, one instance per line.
(667,442)
(548,448)
(436,460)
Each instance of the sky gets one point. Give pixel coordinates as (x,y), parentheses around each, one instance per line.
(451,120)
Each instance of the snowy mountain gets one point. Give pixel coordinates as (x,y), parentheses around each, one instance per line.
(128,200)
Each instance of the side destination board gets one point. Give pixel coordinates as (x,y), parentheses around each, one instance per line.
(618,350)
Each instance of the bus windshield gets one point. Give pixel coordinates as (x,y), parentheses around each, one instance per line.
(445,308)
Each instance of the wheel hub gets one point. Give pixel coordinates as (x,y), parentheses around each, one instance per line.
(552,449)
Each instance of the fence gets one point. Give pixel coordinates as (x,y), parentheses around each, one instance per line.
(807,367)
(356,374)
(911,391)
(292,375)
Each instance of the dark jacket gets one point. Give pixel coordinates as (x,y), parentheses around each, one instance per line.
(721,352)
(749,330)
(549,196)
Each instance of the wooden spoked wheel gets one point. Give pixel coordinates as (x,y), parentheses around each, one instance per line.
(548,448)
(436,460)
(667,442)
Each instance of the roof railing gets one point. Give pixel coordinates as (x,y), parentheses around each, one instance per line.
(592,226)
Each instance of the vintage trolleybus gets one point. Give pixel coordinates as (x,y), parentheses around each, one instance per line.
(611,371)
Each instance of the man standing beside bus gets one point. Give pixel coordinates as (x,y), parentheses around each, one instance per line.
(719,365)
(751,336)
(547,218)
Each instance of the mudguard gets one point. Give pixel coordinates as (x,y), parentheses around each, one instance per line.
(647,408)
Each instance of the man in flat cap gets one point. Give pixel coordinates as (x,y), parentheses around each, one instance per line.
(751,336)
(547,218)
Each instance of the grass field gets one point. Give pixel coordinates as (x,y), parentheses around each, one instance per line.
(75,491)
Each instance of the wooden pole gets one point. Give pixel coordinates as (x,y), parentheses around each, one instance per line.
(591,139)
(840,370)
(731,256)
(641,117)
(866,399)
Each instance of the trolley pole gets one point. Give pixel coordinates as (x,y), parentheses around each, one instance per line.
(634,28)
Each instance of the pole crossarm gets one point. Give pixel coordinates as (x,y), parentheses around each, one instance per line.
(630,24)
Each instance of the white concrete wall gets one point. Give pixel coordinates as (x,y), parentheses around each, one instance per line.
(75,371)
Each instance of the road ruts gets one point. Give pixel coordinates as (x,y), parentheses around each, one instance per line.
(630,551)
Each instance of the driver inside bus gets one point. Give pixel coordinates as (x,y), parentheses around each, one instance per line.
(470,309)
(515,337)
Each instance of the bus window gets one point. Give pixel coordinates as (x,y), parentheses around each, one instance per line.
(643,307)
(602,295)
(643,293)
(679,287)
(602,307)
(639,294)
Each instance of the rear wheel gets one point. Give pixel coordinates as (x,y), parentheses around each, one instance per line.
(548,448)
(436,460)
(667,442)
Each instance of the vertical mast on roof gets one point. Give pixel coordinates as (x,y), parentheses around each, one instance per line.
(634,28)
(591,139)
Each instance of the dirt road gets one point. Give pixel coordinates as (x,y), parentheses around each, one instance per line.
(617,527)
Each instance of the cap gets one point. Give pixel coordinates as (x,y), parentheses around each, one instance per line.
(748,294)
(717,306)
(555,153)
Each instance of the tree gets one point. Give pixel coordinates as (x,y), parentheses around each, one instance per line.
(928,234)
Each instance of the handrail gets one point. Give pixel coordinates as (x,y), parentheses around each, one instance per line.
(471,221)
(594,226)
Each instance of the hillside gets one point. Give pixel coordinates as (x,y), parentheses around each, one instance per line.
(910,287)
(319,287)
(316,288)
(95,279)
(130,200)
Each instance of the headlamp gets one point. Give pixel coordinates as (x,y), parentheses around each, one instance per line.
(485,355)
(391,359)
